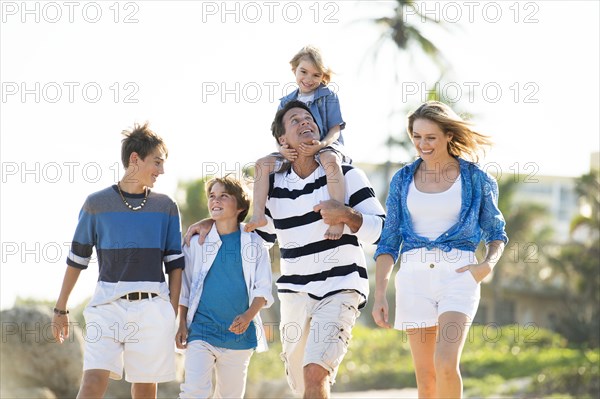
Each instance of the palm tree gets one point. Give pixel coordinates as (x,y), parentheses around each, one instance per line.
(588,190)
(527,230)
(578,264)
(405,37)
(404,34)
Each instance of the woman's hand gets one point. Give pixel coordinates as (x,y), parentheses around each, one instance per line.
(381,312)
(479,271)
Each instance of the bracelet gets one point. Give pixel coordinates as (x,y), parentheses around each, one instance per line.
(60,312)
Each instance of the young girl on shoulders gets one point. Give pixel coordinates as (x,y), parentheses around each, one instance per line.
(312,77)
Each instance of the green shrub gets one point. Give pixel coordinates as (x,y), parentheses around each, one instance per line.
(508,361)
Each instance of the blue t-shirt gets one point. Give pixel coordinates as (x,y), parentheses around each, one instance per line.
(224,296)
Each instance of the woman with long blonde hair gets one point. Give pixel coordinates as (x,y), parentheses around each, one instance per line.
(439,208)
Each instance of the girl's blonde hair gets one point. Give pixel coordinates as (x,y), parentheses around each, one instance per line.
(465,143)
(313,55)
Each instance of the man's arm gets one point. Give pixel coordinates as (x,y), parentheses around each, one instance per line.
(334,212)
(364,214)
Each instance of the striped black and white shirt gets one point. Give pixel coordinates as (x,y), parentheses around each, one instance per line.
(309,262)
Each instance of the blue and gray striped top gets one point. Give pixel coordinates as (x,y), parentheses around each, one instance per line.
(131,246)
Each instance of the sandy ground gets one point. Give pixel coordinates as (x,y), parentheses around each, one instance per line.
(383,394)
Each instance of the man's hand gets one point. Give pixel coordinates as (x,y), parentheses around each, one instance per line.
(310,149)
(201,228)
(332,211)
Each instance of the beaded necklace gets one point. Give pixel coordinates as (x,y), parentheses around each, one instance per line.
(127,204)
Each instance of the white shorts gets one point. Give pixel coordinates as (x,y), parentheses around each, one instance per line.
(138,336)
(314,331)
(428,285)
(230,366)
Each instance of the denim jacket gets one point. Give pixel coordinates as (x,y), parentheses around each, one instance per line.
(325,108)
(479,217)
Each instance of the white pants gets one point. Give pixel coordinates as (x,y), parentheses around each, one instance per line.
(231,371)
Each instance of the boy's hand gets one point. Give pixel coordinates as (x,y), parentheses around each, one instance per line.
(289,153)
(60,327)
(181,336)
(240,324)
(310,149)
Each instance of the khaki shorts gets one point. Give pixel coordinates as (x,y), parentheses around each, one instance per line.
(315,331)
(137,336)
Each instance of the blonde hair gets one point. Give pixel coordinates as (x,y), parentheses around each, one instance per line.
(313,55)
(232,187)
(465,143)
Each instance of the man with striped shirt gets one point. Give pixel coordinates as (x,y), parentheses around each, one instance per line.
(323,282)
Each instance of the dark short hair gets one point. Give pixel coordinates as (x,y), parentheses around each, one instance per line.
(232,187)
(277,127)
(142,140)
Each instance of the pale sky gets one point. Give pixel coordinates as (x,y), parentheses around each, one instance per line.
(208,78)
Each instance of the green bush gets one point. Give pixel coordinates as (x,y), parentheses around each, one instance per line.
(579,379)
(508,361)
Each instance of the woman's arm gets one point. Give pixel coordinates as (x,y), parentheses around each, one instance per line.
(479,271)
(383,270)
